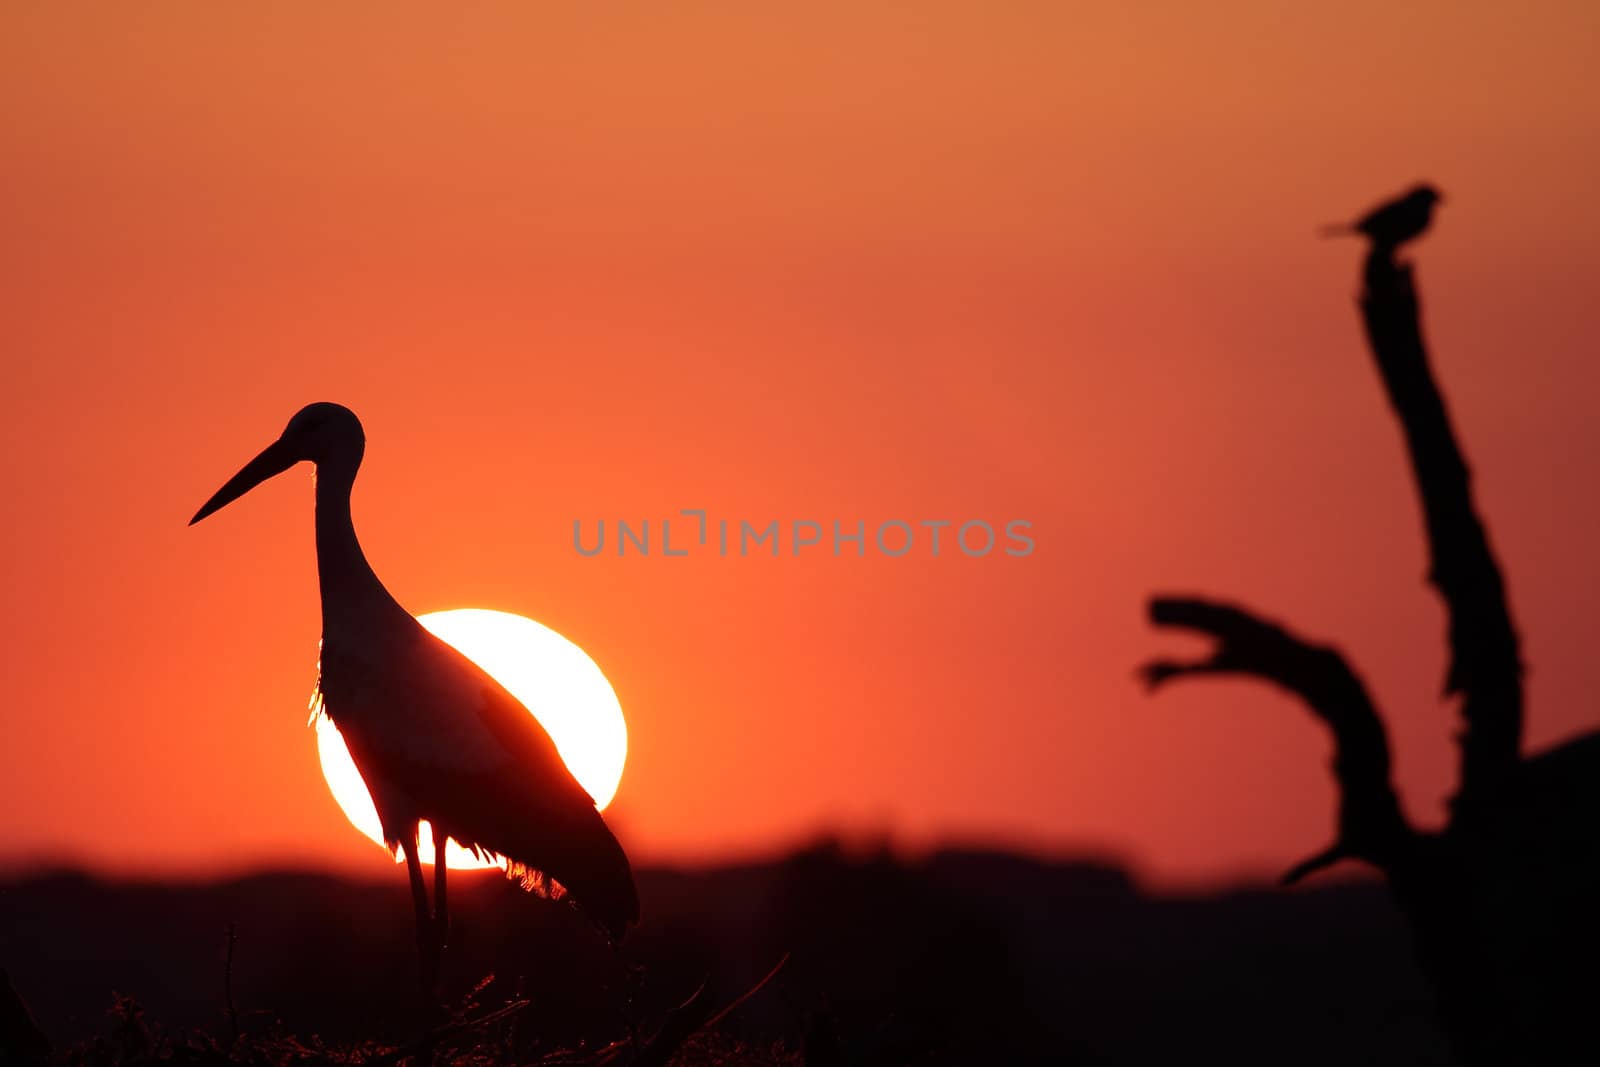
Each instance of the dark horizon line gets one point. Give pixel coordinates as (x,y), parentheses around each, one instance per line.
(847,848)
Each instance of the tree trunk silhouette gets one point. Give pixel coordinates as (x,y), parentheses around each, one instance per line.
(1484,666)
(1503,902)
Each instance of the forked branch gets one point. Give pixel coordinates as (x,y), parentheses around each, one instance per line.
(1371,825)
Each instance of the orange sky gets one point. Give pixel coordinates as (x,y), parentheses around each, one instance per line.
(933,261)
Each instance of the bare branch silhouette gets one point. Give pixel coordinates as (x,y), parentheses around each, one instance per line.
(1371,826)
(1485,667)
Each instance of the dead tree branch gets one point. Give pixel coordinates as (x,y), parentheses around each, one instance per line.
(1500,902)
(1485,665)
(1371,825)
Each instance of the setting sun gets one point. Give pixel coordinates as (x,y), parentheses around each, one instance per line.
(555,679)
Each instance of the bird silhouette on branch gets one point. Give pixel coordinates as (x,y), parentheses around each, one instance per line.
(1502,901)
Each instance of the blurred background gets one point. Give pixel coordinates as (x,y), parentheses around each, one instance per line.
(1049,262)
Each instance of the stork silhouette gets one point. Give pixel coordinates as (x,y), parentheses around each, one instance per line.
(434,736)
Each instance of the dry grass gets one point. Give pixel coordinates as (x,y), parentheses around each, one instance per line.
(471,1035)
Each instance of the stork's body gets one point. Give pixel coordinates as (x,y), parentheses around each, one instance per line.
(434,736)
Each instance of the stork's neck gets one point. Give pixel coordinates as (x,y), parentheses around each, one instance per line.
(343,574)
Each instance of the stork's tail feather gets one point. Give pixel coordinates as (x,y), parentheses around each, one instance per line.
(532,880)
(594,876)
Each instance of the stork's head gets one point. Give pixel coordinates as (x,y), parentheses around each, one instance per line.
(321,433)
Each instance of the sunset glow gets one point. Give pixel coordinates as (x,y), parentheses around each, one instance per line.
(554,678)
(820,263)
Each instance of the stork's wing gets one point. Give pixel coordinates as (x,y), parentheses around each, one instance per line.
(423,701)
(436,737)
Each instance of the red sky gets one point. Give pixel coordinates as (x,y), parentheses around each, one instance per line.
(839,261)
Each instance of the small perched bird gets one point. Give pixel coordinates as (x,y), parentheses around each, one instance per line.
(434,736)
(1392,224)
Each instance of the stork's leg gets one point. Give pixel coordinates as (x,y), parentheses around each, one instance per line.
(441,906)
(427,943)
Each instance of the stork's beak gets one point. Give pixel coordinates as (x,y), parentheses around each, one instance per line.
(274,459)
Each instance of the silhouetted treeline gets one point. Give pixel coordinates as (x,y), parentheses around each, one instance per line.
(964,957)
